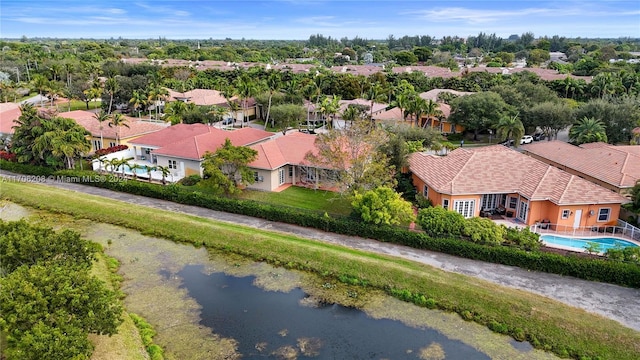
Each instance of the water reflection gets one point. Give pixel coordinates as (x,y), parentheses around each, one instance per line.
(277,325)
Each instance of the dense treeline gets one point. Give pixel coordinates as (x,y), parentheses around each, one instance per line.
(49,301)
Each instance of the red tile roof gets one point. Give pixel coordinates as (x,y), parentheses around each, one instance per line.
(203,97)
(137,127)
(171,134)
(290,149)
(9,113)
(194,147)
(615,165)
(499,170)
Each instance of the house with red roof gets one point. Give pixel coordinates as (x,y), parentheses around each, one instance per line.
(282,162)
(616,168)
(182,147)
(104,136)
(474,181)
(9,113)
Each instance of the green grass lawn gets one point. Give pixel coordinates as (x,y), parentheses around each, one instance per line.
(550,324)
(303,198)
(78,105)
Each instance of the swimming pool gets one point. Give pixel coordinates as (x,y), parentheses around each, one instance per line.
(606,243)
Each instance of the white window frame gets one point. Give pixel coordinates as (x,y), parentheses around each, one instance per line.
(112,144)
(425,191)
(281,176)
(173,164)
(97,145)
(445,204)
(466,208)
(514,200)
(566,213)
(608,214)
(523,209)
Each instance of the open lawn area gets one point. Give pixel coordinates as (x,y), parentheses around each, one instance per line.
(303,198)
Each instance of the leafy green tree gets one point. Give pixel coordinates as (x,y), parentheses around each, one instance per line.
(375,94)
(226,169)
(138,100)
(619,115)
(511,128)
(355,154)
(329,106)
(478,111)
(246,88)
(405,57)
(550,117)
(439,221)
(25,244)
(48,342)
(588,130)
(382,206)
(287,115)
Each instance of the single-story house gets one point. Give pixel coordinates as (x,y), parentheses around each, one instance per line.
(106,137)
(281,162)
(473,181)
(9,114)
(616,168)
(209,97)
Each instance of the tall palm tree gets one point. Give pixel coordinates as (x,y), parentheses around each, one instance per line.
(329,106)
(273,83)
(374,94)
(402,102)
(111,86)
(118,120)
(510,128)
(41,84)
(433,112)
(588,130)
(101,116)
(138,100)
(246,88)
(133,167)
(350,114)
(150,169)
(417,106)
(310,92)
(165,171)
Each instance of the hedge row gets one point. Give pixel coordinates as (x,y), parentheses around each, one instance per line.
(586,268)
(25,168)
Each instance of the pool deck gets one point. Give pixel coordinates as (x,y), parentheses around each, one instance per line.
(582,235)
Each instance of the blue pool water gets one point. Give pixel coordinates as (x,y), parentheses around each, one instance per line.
(605,242)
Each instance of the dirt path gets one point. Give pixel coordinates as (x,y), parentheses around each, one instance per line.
(612,301)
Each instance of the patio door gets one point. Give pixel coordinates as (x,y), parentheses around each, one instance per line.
(577,219)
(524,209)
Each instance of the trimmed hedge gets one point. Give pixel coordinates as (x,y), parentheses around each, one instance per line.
(25,168)
(614,272)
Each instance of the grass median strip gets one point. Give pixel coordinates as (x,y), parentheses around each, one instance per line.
(550,324)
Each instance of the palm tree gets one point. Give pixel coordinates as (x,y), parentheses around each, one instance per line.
(41,84)
(329,106)
(432,110)
(174,111)
(118,120)
(217,112)
(510,128)
(138,100)
(310,91)
(417,106)
(246,89)
(350,114)
(588,130)
(374,94)
(165,171)
(149,170)
(402,102)
(111,86)
(101,116)
(133,167)
(273,82)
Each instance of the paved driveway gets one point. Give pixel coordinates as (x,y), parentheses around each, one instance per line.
(612,301)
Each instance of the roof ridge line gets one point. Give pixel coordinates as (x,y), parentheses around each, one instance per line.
(566,187)
(473,153)
(541,180)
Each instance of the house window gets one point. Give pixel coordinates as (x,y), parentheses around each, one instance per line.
(112,144)
(281,176)
(465,208)
(255,176)
(425,191)
(147,151)
(503,199)
(290,171)
(566,213)
(603,214)
(445,204)
(513,202)
(173,164)
(524,208)
(489,201)
(97,145)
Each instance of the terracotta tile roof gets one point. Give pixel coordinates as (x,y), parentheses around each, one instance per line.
(433,94)
(377,107)
(171,134)
(391,114)
(195,147)
(430,71)
(201,97)
(499,170)
(136,127)
(9,113)
(290,149)
(615,165)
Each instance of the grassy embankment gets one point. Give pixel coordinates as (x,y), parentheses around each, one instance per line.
(561,328)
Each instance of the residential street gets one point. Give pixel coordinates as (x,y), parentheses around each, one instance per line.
(612,301)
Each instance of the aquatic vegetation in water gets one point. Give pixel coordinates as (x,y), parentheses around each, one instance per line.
(432,352)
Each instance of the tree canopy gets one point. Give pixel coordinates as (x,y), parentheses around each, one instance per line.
(226,169)
(382,206)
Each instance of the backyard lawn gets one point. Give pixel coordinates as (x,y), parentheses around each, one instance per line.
(303,198)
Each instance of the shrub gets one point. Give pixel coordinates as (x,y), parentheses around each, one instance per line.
(4,155)
(483,231)
(190,180)
(522,238)
(438,221)
(27,169)
(423,202)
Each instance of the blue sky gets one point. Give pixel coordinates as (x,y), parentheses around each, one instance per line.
(297,19)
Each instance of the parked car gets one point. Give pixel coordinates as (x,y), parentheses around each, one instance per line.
(227,121)
(527,139)
(507,142)
(538,136)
